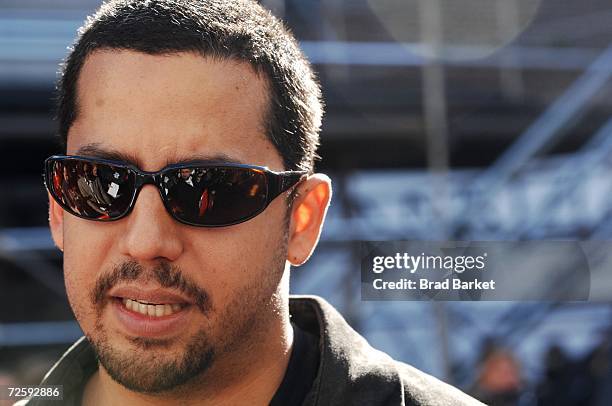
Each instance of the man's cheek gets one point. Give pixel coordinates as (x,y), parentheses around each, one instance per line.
(78,291)
(84,259)
(77,303)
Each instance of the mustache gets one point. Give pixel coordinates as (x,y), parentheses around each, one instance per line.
(168,276)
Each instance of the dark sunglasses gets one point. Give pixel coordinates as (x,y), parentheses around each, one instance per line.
(204,195)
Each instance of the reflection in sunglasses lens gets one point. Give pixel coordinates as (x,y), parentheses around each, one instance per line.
(215,196)
(92,190)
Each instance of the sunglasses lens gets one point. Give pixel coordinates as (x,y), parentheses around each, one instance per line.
(91,190)
(214,196)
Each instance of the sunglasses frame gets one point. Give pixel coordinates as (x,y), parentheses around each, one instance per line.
(276,183)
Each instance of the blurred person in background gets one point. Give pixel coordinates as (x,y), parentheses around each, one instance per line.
(499,380)
(576,381)
(194,308)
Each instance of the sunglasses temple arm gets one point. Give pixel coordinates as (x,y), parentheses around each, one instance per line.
(283,181)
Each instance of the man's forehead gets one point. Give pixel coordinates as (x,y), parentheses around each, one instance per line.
(152,110)
(110,75)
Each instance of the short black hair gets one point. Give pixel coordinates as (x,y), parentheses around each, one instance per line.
(239,30)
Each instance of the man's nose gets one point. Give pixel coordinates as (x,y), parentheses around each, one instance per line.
(150,233)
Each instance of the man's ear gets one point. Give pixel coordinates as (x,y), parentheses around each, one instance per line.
(307,216)
(56,222)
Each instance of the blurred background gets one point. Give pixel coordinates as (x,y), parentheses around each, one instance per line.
(446,120)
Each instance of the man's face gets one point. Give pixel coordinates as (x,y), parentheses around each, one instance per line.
(185,173)
(223,285)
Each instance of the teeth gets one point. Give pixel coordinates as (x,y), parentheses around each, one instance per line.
(129,303)
(151,309)
(159,310)
(167,310)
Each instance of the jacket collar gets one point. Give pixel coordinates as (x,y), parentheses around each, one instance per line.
(350,370)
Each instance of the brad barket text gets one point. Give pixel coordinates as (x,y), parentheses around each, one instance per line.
(425,284)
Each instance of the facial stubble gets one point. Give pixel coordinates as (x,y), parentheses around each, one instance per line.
(155,366)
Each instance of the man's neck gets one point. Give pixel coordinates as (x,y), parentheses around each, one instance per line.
(254,375)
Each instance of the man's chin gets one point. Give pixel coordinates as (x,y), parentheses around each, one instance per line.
(153,365)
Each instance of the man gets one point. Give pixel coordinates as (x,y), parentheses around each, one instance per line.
(185,186)
(194,308)
(90,187)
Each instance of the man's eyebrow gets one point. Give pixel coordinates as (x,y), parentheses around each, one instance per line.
(203,158)
(97,151)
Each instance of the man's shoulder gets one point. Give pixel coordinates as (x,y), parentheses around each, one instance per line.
(386,381)
(353,372)
(425,389)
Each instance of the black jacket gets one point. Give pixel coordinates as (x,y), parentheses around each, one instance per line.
(350,371)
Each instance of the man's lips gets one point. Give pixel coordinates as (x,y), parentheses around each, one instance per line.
(149,312)
(152,296)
